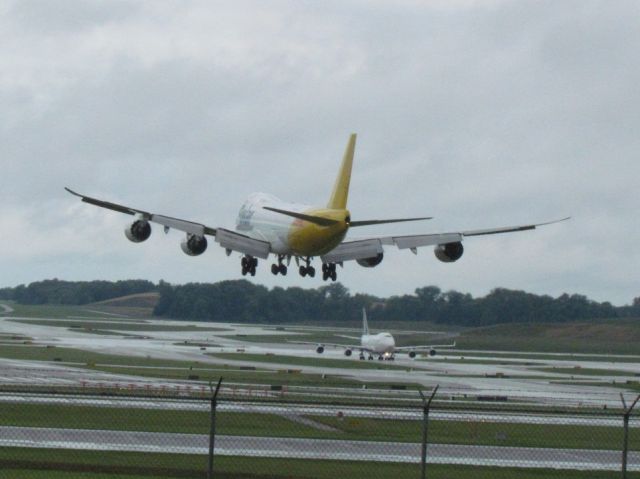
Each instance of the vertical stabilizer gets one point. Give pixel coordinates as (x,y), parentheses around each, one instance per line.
(338,200)
(365,326)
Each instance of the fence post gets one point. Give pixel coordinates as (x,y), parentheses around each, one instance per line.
(212,429)
(426,404)
(625,443)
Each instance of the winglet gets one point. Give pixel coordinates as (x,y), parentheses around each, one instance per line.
(340,194)
(365,325)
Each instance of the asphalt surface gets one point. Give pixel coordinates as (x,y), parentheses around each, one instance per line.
(372,451)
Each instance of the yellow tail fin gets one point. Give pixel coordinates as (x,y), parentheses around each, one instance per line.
(338,200)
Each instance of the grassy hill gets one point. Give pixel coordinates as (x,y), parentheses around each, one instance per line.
(136,305)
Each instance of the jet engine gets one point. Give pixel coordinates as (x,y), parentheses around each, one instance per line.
(370,262)
(194,245)
(432,352)
(449,252)
(347,352)
(139,231)
(412,354)
(320,349)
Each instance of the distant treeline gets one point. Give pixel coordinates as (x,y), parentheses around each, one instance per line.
(242,301)
(54,291)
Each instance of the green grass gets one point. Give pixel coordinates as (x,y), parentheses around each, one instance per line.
(19,463)
(579,371)
(347,428)
(233,375)
(543,356)
(483,433)
(353,363)
(619,336)
(52,311)
(81,357)
(120,326)
(150,420)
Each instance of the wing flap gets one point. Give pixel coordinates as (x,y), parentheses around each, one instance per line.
(243,244)
(352,250)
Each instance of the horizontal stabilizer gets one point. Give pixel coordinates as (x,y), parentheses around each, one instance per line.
(382,222)
(310,218)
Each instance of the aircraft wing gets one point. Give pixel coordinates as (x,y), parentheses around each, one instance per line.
(230,240)
(357,347)
(370,247)
(424,347)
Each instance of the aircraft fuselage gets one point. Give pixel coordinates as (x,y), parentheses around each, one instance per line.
(381,343)
(287,235)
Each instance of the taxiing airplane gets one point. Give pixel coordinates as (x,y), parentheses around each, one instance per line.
(382,345)
(266,225)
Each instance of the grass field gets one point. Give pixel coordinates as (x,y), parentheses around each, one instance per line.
(620,336)
(352,363)
(121,325)
(285,425)
(20,463)
(578,371)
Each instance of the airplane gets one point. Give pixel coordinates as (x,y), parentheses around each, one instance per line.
(382,345)
(267,225)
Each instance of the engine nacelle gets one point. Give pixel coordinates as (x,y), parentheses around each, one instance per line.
(432,352)
(370,262)
(412,354)
(320,349)
(347,352)
(139,231)
(449,252)
(194,245)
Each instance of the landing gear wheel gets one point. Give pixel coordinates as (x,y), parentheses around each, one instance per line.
(274,269)
(311,271)
(303,271)
(249,264)
(282,269)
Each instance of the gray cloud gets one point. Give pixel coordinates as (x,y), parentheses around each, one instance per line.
(479,113)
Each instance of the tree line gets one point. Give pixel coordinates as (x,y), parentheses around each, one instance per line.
(242,301)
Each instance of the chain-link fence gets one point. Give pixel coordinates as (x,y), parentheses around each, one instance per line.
(126,434)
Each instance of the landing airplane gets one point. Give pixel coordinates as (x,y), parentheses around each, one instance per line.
(382,345)
(266,225)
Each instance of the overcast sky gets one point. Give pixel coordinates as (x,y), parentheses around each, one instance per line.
(479,113)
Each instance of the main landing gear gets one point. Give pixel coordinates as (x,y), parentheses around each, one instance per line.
(329,271)
(279,268)
(307,269)
(249,264)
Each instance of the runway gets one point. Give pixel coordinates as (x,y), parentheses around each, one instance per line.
(372,451)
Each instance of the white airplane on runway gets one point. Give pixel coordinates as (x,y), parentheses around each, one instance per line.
(382,345)
(267,225)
